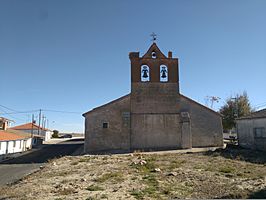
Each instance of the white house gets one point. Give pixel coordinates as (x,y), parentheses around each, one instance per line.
(11,143)
(34,129)
(251,130)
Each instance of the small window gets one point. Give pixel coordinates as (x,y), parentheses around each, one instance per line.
(14,144)
(259,132)
(163,73)
(145,73)
(0,145)
(153,54)
(105,125)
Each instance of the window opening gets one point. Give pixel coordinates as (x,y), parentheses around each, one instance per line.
(153,54)
(163,73)
(105,125)
(145,73)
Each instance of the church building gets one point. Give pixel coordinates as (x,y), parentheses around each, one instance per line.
(154,116)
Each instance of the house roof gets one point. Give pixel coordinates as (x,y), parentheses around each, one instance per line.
(5,119)
(204,107)
(5,136)
(28,126)
(257,114)
(116,100)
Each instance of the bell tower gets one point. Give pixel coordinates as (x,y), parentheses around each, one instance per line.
(154,82)
(154,101)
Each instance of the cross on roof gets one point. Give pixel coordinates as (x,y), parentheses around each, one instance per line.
(153,35)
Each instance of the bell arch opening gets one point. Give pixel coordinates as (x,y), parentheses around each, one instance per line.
(163,73)
(145,73)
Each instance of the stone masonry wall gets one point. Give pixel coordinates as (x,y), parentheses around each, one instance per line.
(206,125)
(117,135)
(155,131)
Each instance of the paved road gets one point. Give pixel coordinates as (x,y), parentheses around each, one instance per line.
(15,169)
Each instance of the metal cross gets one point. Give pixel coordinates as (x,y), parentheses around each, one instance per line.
(153,35)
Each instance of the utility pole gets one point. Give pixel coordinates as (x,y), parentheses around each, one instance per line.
(40,115)
(32,121)
(47,124)
(236,107)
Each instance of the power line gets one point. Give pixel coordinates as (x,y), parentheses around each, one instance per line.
(20,112)
(61,111)
(12,117)
(31,111)
(8,108)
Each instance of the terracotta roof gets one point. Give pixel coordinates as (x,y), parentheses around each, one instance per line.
(5,119)
(4,136)
(257,114)
(28,126)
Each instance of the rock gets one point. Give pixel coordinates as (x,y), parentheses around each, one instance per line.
(229,175)
(142,162)
(83,179)
(54,164)
(240,187)
(172,174)
(157,170)
(41,167)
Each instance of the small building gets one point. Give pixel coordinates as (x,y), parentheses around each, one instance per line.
(12,143)
(251,130)
(155,115)
(4,123)
(34,129)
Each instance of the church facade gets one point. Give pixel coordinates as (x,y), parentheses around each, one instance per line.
(154,116)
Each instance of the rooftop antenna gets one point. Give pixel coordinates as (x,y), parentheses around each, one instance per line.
(212,99)
(153,35)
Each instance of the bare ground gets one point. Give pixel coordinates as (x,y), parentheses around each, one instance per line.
(229,173)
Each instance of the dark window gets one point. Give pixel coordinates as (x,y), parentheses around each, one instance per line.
(259,132)
(105,125)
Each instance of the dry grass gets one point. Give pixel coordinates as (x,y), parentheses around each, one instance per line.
(145,176)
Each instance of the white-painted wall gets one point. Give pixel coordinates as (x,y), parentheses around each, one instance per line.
(245,133)
(46,134)
(15,146)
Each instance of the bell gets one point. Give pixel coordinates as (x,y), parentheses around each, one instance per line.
(163,74)
(145,74)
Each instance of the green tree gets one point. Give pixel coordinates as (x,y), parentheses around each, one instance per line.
(234,108)
(55,134)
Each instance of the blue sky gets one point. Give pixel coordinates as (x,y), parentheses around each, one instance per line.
(73,55)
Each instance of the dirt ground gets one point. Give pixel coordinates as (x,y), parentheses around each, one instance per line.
(228,173)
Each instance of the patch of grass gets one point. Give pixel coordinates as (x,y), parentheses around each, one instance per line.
(57,173)
(145,168)
(74,163)
(138,194)
(226,169)
(104,196)
(176,164)
(94,188)
(85,159)
(90,198)
(66,191)
(115,177)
